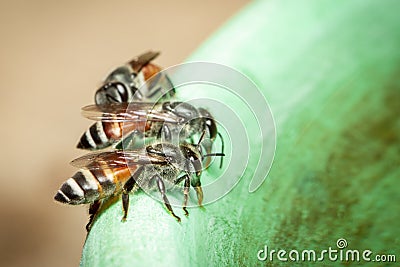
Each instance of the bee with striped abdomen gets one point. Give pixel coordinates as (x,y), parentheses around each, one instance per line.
(157,166)
(114,120)
(138,80)
(140,120)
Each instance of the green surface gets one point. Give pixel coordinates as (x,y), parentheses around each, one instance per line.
(330,72)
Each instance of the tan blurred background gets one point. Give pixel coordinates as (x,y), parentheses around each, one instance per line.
(53,55)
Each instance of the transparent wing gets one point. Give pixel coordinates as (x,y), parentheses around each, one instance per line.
(116,159)
(134,111)
(140,61)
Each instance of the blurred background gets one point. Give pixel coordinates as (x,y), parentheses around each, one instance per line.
(53,56)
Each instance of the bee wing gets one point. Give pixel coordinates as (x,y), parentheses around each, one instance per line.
(140,61)
(116,159)
(134,111)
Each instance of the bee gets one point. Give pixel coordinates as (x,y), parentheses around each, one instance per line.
(138,120)
(160,166)
(138,80)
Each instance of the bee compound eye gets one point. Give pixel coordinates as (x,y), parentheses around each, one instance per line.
(100,96)
(120,88)
(114,92)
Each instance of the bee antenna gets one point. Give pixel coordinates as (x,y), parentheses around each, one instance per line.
(201,138)
(222,149)
(214,154)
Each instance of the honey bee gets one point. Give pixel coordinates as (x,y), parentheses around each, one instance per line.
(146,120)
(160,166)
(138,80)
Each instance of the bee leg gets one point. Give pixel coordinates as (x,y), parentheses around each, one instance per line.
(199,192)
(196,184)
(185,177)
(129,186)
(93,209)
(125,205)
(165,133)
(161,188)
(186,194)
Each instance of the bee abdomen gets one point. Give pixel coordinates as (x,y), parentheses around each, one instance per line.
(95,137)
(82,188)
(105,178)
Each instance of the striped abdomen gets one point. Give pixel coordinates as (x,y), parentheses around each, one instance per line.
(103,134)
(86,186)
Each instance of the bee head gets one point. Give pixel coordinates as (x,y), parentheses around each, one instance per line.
(211,126)
(169,152)
(185,157)
(193,158)
(209,122)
